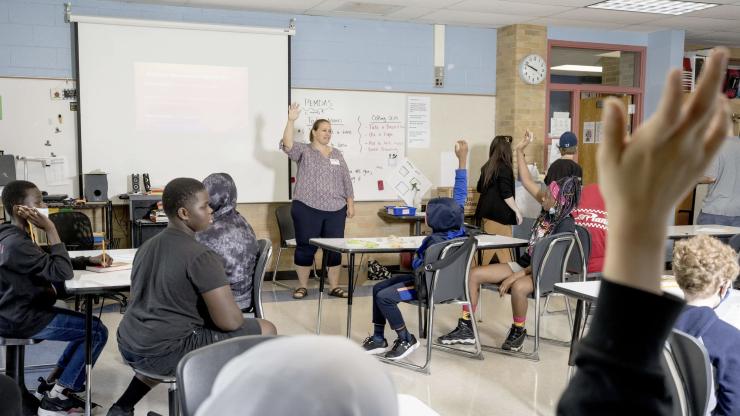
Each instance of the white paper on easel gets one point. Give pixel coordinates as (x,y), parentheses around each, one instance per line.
(447,165)
(409,183)
(418,122)
(56,171)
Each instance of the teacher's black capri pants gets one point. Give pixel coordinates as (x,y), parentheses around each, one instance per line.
(314,223)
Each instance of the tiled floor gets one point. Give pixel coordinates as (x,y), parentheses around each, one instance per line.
(497,385)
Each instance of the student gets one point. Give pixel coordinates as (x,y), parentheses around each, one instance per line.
(445,217)
(180,298)
(705,269)
(27,295)
(721,205)
(231,236)
(591,214)
(558,199)
(619,360)
(566,165)
(497,209)
(302,375)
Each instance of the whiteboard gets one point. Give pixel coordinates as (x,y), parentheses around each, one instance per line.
(369,128)
(30,119)
(180,102)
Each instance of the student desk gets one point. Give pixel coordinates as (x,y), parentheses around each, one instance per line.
(588,292)
(89,284)
(677,232)
(353,246)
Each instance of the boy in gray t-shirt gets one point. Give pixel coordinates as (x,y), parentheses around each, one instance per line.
(722,204)
(180,297)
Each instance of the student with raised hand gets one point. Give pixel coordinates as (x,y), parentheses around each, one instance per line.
(322,201)
(231,237)
(180,296)
(705,268)
(445,217)
(558,199)
(497,209)
(28,276)
(642,177)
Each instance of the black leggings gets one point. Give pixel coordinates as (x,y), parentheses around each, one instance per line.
(314,223)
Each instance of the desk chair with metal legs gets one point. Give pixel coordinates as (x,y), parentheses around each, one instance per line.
(548,267)
(690,374)
(265,252)
(15,349)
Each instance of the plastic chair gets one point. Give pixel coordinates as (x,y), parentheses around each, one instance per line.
(447,266)
(75,230)
(15,350)
(287,238)
(263,257)
(694,371)
(548,267)
(735,242)
(198,369)
(172,403)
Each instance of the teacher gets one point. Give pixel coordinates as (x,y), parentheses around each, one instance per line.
(322,201)
(497,209)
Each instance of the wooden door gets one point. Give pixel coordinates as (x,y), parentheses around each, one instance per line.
(590,112)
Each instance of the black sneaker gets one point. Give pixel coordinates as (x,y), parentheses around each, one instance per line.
(61,405)
(463,334)
(402,348)
(117,410)
(515,339)
(373,346)
(43,389)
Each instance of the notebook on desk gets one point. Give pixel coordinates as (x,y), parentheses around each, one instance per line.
(117,265)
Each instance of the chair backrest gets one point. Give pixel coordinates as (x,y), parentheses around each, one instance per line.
(450,282)
(75,229)
(735,242)
(694,369)
(285,224)
(263,258)
(523,230)
(549,261)
(578,260)
(198,369)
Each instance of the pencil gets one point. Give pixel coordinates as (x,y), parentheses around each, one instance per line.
(103,255)
(33,232)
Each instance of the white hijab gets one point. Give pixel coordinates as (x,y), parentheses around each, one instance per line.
(302,375)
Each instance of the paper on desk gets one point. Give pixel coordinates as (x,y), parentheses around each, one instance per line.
(710,230)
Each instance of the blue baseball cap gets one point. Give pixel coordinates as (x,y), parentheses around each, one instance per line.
(568,139)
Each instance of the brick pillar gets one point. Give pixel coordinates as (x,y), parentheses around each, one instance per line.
(519,105)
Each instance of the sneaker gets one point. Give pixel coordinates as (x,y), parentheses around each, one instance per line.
(373,346)
(463,334)
(43,389)
(117,410)
(61,405)
(402,348)
(515,339)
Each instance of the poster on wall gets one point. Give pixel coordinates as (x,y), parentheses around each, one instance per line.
(418,122)
(588,132)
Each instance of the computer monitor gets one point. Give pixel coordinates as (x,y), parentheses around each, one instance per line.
(7,169)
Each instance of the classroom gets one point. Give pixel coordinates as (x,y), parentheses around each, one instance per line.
(361,163)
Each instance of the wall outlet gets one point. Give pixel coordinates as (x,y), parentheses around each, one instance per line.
(439,76)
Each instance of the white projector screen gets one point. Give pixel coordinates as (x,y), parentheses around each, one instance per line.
(175,102)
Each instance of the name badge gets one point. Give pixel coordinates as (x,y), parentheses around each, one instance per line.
(334,162)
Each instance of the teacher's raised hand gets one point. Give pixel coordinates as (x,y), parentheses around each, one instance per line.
(294,111)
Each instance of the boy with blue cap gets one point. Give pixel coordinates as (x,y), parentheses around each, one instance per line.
(565,166)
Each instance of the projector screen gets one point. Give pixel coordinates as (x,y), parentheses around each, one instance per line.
(184,101)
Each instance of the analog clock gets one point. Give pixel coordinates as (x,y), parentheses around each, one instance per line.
(532,69)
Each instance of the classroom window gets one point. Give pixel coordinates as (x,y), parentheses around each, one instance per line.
(594,66)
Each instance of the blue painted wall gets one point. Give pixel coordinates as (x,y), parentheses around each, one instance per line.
(327,52)
(664,52)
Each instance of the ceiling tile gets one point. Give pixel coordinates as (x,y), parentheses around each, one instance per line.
(455,17)
(409,13)
(571,3)
(699,23)
(610,16)
(509,7)
(719,12)
(731,39)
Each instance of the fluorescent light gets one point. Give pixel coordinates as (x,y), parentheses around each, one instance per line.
(576,68)
(670,7)
(613,54)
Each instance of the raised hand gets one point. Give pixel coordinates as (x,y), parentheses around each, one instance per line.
(294,111)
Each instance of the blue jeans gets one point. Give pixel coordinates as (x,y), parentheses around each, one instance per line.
(386,296)
(70,326)
(313,223)
(715,219)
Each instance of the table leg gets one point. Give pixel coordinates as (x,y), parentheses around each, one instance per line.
(577,324)
(417,227)
(88,354)
(350,290)
(321,290)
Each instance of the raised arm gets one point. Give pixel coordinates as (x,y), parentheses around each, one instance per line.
(529,184)
(460,192)
(294,110)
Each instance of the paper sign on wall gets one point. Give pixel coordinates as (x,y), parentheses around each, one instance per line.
(588,132)
(418,122)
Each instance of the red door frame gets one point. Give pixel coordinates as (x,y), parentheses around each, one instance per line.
(576,89)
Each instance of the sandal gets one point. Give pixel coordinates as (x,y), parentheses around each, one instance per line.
(339,292)
(300,293)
